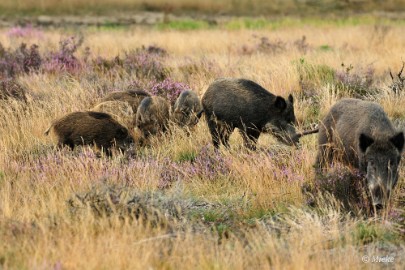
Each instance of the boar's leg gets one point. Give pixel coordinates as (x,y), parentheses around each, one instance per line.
(220,133)
(66,142)
(225,132)
(214,133)
(250,137)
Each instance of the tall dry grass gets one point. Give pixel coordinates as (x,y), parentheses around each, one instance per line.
(259,218)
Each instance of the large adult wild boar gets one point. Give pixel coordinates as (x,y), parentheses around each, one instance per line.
(133,97)
(243,104)
(188,109)
(119,110)
(359,133)
(88,128)
(152,116)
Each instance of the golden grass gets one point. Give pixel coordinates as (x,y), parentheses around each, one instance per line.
(273,228)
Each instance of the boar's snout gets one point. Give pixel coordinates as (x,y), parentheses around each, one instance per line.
(285,134)
(379,196)
(381,179)
(124,145)
(129,140)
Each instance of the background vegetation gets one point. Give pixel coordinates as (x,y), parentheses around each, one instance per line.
(230,7)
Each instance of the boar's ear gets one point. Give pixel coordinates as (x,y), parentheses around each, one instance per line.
(364,142)
(398,141)
(280,103)
(291,99)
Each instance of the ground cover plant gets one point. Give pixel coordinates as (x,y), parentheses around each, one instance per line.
(178,203)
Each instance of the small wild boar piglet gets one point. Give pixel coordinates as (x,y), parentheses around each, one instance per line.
(243,104)
(119,110)
(359,133)
(187,109)
(87,128)
(152,116)
(133,98)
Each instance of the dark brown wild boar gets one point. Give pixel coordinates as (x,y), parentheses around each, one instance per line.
(243,104)
(88,128)
(359,133)
(152,116)
(133,97)
(188,109)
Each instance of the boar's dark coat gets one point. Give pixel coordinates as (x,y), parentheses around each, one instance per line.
(86,128)
(243,104)
(359,133)
(133,97)
(187,109)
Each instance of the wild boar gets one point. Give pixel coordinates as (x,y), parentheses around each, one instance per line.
(133,97)
(88,128)
(152,116)
(359,133)
(243,104)
(119,110)
(188,109)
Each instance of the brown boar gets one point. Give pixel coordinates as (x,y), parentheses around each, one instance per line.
(238,103)
(152,116)
(88,128)
(360,134)
(188,109)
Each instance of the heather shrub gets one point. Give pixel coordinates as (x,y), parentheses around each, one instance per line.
(357,82)
(348,81)
(146,62)
(209,164)
(64,60)
(169,89)
(27,31)
(346,185)
(13,63)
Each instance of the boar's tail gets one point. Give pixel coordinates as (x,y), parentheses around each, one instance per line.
(47,131)
(200,113)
